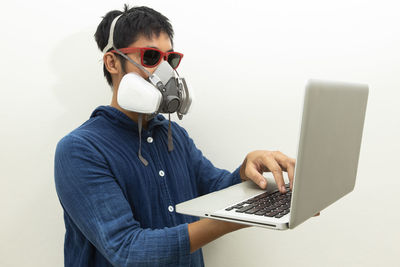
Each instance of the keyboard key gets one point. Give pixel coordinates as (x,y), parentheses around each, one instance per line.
(269,208)
(261,212)
(281,209)
(244,208)
(265,204)
(252,210)
(263,195)
(271,213)
(276,204)
(286,212)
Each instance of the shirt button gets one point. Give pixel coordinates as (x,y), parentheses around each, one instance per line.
(170,208)
(149,140)
(161,173)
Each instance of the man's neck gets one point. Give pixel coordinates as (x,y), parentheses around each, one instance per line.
(132,115)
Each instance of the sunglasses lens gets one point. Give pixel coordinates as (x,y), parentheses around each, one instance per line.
(151,57)
(173,60)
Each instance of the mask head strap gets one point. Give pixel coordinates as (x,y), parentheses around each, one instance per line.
(110,45)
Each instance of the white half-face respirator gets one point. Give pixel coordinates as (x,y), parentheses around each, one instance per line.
(164,92)
(167,92)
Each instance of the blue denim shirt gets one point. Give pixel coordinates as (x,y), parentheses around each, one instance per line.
(117,211)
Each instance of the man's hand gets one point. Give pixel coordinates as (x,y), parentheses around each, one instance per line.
(260,161)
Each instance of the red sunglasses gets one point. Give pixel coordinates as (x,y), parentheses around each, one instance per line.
(151,57)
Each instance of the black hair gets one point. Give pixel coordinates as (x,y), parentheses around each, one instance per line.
(134,23)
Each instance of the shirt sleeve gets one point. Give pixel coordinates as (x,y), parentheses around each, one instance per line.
(209,178)
(93,199)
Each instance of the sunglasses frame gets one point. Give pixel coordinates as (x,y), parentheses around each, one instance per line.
(163,55)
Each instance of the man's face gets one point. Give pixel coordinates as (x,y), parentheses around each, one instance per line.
(162,42)
(113,64)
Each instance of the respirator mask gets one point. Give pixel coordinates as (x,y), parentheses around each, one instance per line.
(163,92)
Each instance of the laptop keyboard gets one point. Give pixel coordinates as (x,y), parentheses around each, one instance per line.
(272,204)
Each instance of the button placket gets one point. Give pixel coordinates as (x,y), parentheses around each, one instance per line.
(161,177)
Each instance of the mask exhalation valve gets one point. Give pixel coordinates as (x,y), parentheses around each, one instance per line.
(172,103)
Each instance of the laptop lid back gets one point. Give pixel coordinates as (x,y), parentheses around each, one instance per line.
(329,146)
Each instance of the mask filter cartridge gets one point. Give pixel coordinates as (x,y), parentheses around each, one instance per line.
(138,95)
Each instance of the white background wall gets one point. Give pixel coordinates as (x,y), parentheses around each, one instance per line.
(248,61)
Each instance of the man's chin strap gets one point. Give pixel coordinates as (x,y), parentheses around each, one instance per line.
(170,139)
(142,159)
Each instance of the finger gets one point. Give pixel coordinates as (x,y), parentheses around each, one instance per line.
(276,170)
(286,163)
(290,171)
(294,171)
(256,177)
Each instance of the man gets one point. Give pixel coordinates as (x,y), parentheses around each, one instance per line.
(119,211)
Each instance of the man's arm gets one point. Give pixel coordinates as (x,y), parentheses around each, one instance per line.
(94,201)
(208,178)
(206,230)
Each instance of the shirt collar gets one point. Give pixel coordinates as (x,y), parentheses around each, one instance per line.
(119,118)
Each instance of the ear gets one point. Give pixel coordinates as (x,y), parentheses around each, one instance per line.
(112,64)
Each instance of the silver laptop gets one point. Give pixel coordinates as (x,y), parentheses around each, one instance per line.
(326,166)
